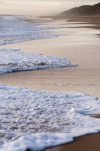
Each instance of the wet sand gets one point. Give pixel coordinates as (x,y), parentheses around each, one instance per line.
(69,80)
(90,19)
(83,143)
(85,19)
(81,46)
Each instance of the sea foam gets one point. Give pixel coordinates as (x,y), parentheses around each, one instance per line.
(14,29)
(12,60)
(38,119)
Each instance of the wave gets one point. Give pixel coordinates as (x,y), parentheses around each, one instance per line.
(13,29)
(38,119)
(13,60)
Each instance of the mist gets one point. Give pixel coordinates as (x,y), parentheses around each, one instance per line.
(40,7)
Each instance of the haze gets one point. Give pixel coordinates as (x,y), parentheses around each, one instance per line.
(40,7)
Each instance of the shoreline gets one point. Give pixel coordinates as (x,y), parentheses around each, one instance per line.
(65,80)
(62,79)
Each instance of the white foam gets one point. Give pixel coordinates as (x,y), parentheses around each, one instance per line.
(13,29)
(38,119)
(37,141)
(12,60)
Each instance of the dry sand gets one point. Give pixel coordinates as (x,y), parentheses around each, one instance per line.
(80,46)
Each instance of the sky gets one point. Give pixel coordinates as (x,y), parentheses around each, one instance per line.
(40,7)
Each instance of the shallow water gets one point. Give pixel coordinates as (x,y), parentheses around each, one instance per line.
(14,60)
(14,29)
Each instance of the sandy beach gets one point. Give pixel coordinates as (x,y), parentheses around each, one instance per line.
(82,51)
(85,78)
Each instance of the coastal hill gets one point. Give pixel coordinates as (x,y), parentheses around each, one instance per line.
(85,10)
(85,13)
